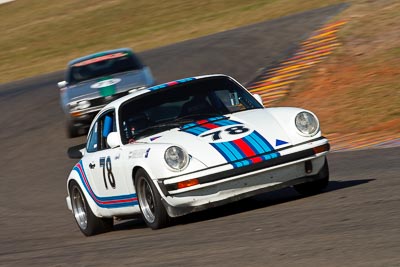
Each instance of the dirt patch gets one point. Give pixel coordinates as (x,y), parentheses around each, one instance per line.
(356,91)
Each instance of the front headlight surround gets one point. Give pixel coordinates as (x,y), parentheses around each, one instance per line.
(177,159)
(84,104)
(307,123)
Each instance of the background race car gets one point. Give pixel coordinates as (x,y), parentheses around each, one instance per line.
(189,145)
(95,80)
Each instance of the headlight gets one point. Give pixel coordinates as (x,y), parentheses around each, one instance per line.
(83,104)
(176,158)
(307,123)
(72,105)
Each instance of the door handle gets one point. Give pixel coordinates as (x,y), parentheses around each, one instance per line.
(92,165)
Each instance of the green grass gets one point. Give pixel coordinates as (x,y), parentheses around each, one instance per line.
(42,36)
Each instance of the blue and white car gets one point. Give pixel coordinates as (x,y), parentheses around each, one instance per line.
(188,145)
(95,80)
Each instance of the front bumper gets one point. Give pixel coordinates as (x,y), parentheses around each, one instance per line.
(218,188)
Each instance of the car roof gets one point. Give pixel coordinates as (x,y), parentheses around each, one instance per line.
(94,55)
(116,103)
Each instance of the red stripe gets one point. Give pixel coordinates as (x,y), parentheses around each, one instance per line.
(200,122)
(210,126)
(172,83)
(256,159)
(244,147)
(94,196)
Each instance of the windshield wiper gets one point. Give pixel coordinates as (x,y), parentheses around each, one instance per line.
(193,117)
(156,128)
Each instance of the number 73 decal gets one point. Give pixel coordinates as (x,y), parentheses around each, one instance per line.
(227,133)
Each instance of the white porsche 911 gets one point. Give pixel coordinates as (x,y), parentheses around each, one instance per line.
(188,145)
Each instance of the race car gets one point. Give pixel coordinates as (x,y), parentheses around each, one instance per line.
(94,80)
(189,145)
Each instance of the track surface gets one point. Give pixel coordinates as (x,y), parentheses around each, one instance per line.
(356,222)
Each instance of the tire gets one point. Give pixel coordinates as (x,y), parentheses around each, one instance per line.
(316,186)
(72,131)
(87,222)
(153,211)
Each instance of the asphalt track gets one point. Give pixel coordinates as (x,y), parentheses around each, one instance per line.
(354,223)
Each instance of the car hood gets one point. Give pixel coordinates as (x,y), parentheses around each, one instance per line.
(108,85)
(232,139)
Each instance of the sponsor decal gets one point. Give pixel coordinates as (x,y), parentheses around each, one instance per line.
(147,153)
(106,86)
(280,142)
(154,138)
(140,153)
(105,83)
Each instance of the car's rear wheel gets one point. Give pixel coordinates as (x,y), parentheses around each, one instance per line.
(316,186)
(153,211)
(88,223)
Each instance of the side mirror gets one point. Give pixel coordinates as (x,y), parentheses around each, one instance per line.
(258,98)
(62,84)
(76,152)
(113,139)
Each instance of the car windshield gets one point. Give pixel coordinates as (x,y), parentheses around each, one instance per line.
(103,66)
(182,103)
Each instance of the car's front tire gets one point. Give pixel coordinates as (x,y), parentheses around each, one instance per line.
(88,223)
(72,131)
(316,186)
(153,211)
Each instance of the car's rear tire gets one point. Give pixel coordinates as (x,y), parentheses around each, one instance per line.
(316,186)
(87,222)
(153,211)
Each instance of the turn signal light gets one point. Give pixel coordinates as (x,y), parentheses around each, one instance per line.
(187,183)
(76,114)
(322,148)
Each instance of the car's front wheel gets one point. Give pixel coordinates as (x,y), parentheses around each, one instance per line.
(72,131)
(316,186)
(88,223)
(153,211)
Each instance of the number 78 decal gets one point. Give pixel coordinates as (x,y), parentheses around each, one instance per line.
(228,133)
(106,164)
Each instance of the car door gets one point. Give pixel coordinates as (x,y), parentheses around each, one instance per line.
(106,175)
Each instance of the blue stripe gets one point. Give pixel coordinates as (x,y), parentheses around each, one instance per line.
(234,149)
(226,122)
(194,131)
(224,151)
(113,205)
(262,142)
(253,144)
(160,86)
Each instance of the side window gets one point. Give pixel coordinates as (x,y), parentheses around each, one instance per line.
(93,138)
(98,136)
(107,124)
